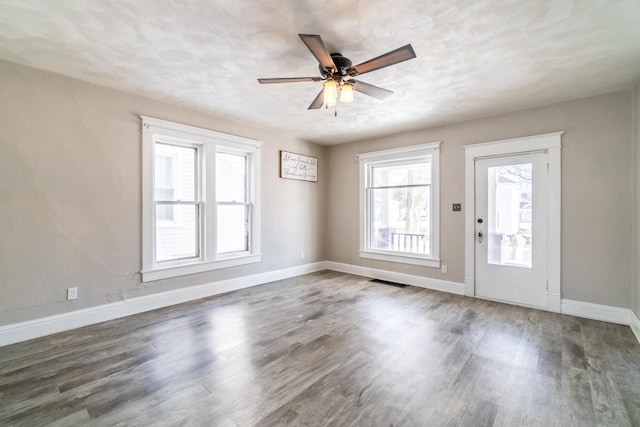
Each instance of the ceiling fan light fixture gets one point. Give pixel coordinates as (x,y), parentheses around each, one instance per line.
(330,93)
(346,92)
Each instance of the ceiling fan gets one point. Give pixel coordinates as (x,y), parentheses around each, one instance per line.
(337,73)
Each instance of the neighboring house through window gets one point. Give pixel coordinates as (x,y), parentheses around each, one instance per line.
(201,206)
(165,181)
(399,205)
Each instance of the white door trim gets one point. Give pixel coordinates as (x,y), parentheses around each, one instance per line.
(551,142)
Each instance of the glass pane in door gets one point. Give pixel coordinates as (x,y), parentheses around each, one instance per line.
(510,215)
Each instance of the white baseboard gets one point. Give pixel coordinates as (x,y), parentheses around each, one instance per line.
(605,313)
(17,332)
(23,331)
(635,325)
(589,310)
(391,276)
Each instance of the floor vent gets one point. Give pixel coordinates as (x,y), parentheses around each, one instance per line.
(386,282)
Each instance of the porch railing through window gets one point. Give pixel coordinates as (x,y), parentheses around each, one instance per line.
(404,242)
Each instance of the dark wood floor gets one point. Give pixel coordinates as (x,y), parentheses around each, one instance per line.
(328,349)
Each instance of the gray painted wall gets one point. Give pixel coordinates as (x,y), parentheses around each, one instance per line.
(70,185)
(70,191)
(597,207)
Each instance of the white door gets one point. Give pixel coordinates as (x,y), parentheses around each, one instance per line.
(511,228)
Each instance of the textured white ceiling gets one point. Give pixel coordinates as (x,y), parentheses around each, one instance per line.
(474,58)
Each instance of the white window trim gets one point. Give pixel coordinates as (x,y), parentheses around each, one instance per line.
(209,139)
(432,149)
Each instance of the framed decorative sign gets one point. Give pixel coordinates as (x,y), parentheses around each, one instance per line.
(297,166)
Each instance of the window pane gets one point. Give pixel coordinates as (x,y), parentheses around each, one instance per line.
(164,170)
(165,213)
(510,215)
(233,228)
(401,174)
(164,194)
(231,177)
(175,172)
(180,240)
(400,219)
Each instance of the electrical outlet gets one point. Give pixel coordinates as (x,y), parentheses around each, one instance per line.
(72,293)
(444,268)
(301,255)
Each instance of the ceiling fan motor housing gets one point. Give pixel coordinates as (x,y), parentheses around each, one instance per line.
(342,66)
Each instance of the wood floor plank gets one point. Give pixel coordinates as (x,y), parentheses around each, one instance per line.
(328,349)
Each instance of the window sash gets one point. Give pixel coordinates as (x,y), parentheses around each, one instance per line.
(183,176)
(421,161)
(246,162)
(371,165)
(247,228)
(174,234)
(197,236)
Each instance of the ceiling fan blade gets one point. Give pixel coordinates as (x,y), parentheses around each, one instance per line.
(371,90)
(318,102)
(318,49)
(401,54)
(290,80)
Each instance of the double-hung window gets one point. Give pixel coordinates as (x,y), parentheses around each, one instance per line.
(201,206)
(399,205)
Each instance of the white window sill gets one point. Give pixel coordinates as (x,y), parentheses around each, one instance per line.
(401,258)
(198,267)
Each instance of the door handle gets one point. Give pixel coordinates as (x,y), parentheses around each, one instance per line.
(480,236)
